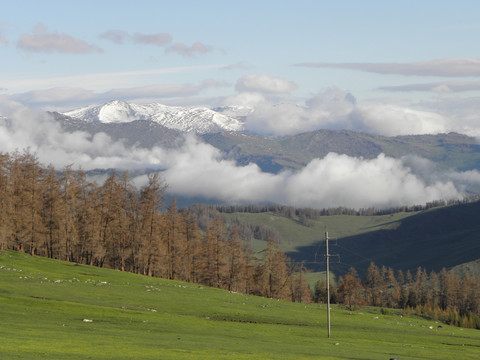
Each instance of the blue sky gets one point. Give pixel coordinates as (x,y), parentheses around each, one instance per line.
(97,46)
(382,67)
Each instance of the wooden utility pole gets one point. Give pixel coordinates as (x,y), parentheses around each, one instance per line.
(327,256)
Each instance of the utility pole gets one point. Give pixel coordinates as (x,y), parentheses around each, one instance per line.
(327,256)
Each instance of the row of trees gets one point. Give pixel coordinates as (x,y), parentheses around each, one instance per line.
(115,225)
(305,214)
(445,296)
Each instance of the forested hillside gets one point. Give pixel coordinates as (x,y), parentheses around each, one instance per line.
(115,225)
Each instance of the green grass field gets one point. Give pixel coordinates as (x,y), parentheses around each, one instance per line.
(45,305)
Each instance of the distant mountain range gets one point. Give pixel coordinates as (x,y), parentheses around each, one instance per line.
(155,124)
(448,233)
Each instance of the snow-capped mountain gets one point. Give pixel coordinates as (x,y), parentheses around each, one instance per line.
(195,119)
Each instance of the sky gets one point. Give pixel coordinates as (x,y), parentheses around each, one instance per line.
(382,67)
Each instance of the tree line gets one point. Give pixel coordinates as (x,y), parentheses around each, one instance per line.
(445,296)
(62,215)
(306,214)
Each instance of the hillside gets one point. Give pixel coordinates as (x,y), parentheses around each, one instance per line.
(272,154)
(135,133)
(56,310)
(433,239)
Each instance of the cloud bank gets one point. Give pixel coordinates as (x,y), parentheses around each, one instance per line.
(337,109)
(198,169)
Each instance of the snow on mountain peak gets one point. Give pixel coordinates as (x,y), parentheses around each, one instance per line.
(196,119)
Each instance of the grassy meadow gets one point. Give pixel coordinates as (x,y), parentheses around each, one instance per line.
(57,310)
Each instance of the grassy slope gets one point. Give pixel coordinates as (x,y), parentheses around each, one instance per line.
(437,238)
(43,304)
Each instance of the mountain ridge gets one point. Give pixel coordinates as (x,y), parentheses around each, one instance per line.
(188,119)
(275,154)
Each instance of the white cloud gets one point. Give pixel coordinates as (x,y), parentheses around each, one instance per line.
(337,180)
(355,182)
(390,120)
(44,41)
(328,110)
(264,83)
(250,99)
(336,109)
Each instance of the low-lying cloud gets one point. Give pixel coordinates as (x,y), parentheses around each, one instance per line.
(198,169)
(336,109)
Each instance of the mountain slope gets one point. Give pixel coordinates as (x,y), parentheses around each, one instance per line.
(140,133)
(196,119)
(436,238)
(273,154)
(433,239)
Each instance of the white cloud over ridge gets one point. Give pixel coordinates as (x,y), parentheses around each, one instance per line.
(198,169)
(336,109)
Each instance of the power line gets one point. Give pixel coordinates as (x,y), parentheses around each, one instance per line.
(327,257)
